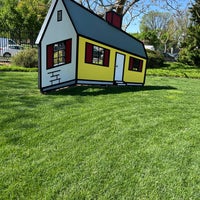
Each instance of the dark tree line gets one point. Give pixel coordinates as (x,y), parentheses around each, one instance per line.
(190,52)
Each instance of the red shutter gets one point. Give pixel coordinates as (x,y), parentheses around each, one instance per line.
(130,63)
(49,56)
(141,64)
(106,57)
(68,51)
(88,53)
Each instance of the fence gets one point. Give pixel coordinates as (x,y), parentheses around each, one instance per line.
(13,41)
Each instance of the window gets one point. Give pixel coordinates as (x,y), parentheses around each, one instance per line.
(97,55)
(59,15)
(59,53)
(135,64)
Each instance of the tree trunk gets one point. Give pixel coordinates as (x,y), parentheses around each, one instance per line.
(120,6)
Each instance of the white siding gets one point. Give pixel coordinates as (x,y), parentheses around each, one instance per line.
(55,32)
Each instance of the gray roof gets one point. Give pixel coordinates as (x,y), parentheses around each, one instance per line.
(93,27)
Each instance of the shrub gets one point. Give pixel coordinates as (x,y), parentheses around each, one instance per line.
(26,58)
(155,59)
(190,57)
(184,57)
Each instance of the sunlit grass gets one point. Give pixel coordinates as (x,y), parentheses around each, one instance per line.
(174,69)
(10,67)
(99,142)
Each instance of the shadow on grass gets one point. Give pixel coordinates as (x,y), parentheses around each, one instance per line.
(105,90)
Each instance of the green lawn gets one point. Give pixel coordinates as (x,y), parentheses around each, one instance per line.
(14,68)
(175,69)
(99,142)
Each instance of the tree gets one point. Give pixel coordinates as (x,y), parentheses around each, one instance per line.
(190,52)
(156,23)
(169,28)
(195,12)
(32,13)
(9,16)
(22,16)
(129,9)
(148,37)
(29,15)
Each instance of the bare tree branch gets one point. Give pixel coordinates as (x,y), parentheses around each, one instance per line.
(129,6)
(131,9)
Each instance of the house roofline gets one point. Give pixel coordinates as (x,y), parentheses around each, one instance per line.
(91,12)
(46,21)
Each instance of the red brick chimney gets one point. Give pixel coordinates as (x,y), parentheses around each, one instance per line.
(114,19)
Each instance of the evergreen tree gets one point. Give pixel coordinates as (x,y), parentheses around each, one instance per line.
(195,12)
(190,52)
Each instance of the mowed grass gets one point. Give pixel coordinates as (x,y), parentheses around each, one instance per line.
(99,142)
(175,69)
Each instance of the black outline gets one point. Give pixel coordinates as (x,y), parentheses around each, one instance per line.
(77,51)
(54,87)
(91,12)
(145,73)
(39,67)
(48,21)
(70,16)
(77,58)
(40,49)
(146,57)
(113,47)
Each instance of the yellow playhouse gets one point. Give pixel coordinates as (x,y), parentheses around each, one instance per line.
(78,47)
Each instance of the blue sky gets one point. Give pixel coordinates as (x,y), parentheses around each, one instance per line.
(134,27)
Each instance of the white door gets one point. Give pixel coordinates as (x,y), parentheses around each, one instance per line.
(119,66)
